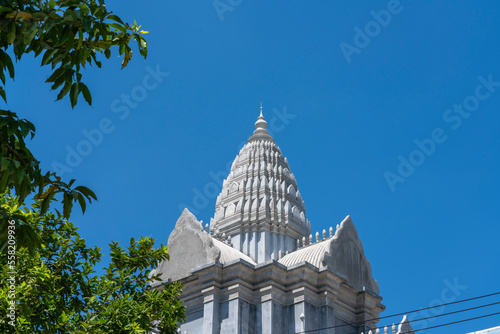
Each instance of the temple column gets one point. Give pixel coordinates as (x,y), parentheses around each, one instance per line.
(211,323)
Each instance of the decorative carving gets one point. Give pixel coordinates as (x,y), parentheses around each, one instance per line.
(302,217)
(234,188)
(230,210)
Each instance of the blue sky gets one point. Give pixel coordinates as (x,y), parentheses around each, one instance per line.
(349,109)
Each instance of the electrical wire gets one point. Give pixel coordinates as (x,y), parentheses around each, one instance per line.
(451,323)
(426,328)
(413,311)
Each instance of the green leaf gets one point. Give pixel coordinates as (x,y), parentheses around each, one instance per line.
(67,204)
(4,163)
(30,34)
(2,74)
(70,42)
(45,205)
(86,93)
(7,61)
(2,94)
(66,88)
(5,9)
(58,82)
(57,73)
(11,34)
(80,39)
(24,128)
(118,27)
(84,8)
(142,44)
(31,239)
(115,18)
(86,191)
(82,202)
(47,56)
(73,95)
(66,31)
(4,179)
(127,56)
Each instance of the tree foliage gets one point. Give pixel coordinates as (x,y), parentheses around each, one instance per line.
(58,291)
(68,35)
(56,286)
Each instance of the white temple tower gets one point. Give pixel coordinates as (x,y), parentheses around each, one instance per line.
(258,269)
(260,205)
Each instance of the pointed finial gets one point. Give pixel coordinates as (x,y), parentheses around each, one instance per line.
(261,124)
(260,133)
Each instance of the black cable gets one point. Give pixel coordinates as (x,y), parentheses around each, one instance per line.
(404,313)
(444,314)
(431,327)
(454,312)
(451,323)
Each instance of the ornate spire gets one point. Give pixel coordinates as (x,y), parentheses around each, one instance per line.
(260,200)
(261,132)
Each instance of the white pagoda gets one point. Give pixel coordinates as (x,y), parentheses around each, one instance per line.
(258,269)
